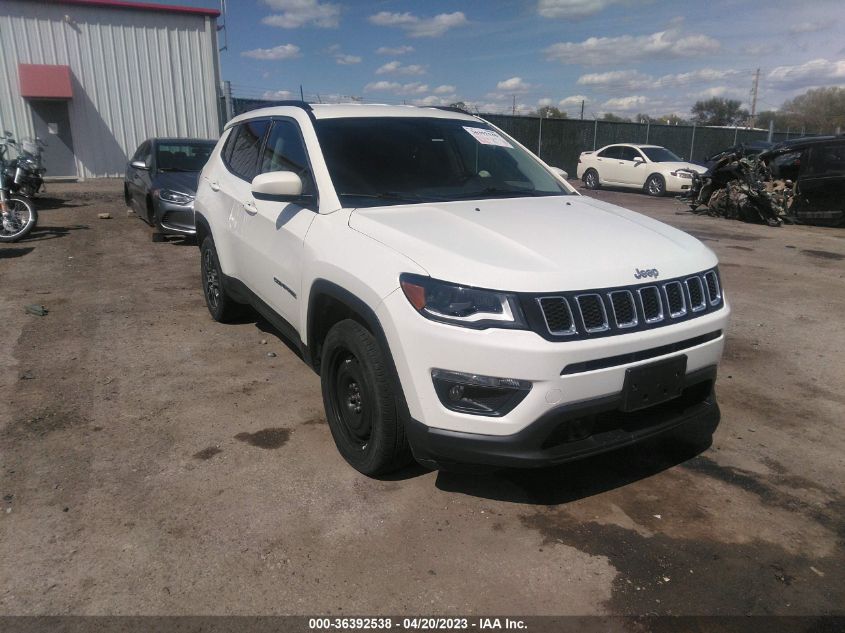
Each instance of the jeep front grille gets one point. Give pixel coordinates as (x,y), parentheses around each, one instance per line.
(606,311)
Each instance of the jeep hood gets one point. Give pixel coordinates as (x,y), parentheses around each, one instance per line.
(533,244)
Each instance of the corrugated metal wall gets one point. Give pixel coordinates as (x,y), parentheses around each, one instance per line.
(136,74)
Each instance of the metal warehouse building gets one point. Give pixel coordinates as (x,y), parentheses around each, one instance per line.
(95,78)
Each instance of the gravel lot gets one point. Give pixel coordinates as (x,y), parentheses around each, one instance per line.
(156,462)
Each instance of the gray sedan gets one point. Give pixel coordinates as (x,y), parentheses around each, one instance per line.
(161,182)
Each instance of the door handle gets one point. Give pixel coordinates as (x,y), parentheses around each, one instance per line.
(250,208)
(214,186)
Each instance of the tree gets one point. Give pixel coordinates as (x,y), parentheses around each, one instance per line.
(718,111)
(550,112)
(645,118)
(614,118)
(672,119)
(460,105)
(817,110)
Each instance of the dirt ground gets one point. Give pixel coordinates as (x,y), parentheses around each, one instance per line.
(156,462)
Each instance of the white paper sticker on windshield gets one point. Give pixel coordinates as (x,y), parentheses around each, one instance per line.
(487,137)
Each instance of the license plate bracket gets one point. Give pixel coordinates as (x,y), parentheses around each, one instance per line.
(652,384)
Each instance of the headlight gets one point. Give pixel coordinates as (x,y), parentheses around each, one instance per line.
(462,305)
(682,173)
(176,197)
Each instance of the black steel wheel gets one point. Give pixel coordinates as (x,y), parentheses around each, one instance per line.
(221,306)
(360,402)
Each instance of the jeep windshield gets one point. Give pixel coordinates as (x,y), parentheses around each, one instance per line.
(394,160)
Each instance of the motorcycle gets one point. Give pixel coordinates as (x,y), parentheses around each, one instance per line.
(25,173)
(17,213)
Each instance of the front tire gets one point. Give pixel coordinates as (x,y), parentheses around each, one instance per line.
(20,219)
(360,402)
(220,304)
(655,185)
(591,179)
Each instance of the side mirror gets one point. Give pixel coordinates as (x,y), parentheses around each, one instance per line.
(284,186)
(638,160)
(138,164)
(557,171)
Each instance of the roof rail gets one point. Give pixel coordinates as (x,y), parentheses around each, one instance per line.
(294,103)
(451,109)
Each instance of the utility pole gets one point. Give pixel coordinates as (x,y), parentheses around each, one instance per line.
(514,106)
(301,94)
(227,100)
(582,109)
(754,97)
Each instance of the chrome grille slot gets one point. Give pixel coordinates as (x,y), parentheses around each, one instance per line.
(652,305)
(558,315)
(593,313)
(624,309)
(675,300)
(695,288)
(714,293)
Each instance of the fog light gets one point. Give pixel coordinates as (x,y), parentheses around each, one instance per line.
(479,395)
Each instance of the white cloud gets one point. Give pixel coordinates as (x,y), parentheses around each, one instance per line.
(444,89)
(436,100)
(812,73)
(347,60)
(277,95)
(296,13)
(809,27)
(635,80)
(514,84)
(417,26)
(626,48)
(414,88)
(398,68)
(545,101)
(633,102)
(574,100)
(396,50)
(572,8)
(283,51)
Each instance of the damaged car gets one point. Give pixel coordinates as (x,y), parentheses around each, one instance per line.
(794,182)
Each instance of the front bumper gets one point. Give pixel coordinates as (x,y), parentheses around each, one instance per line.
(573,431)
(674,184)
(175,219)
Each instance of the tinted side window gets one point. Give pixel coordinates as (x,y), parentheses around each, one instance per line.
(610,152)
(628,153)
(246,143)
(285,151)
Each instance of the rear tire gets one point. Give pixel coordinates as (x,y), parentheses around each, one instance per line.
(655,185)
(360,402)
(591,179)
(22,219)
(222,307)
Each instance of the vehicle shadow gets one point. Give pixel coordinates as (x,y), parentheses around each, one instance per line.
(573,481)
(175,240)
(9,253)
(48,204)
(41,233)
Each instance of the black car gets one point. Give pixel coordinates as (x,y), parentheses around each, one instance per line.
(819,190)
(161,182)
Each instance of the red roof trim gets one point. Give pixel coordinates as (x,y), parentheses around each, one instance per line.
(141,6)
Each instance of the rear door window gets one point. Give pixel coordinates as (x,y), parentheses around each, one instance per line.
(242,159)
(613,151)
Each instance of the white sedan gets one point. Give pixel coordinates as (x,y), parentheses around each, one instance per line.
(651,168)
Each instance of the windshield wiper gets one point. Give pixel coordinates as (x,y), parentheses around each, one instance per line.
(528,193)
(387,195)
(176,169)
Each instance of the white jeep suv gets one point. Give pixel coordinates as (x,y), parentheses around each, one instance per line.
(460,301)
